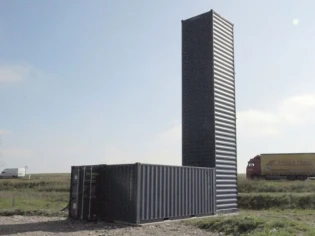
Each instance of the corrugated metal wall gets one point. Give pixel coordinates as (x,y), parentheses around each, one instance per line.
(224,113)
(74,192)
(168,192)
(142,193)
(83,197)
(197,92)
(208,102)
(91,183)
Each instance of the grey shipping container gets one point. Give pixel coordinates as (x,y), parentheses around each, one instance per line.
(142,193)
(208,102)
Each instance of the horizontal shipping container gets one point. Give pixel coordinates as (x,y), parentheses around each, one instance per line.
(141,193)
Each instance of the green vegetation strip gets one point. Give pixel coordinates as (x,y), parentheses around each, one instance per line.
(263,186)
(28,200)
(48,213)
(264,201)
(261,223)
(36,185)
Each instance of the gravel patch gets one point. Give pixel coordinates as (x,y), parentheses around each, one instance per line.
(45,226)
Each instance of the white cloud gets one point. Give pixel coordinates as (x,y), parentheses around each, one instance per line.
(115,154)
(173,134)
(13,73)
(15,156)
(257,123)
(4,132)
(16,153)
(297,110)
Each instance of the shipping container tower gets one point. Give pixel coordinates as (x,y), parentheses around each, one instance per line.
(208,102)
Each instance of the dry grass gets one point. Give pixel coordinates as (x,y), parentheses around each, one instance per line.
(40,182)
(262,223)
(264,186)
(269,208)
(44,192)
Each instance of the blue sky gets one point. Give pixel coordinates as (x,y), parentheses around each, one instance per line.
(90,83)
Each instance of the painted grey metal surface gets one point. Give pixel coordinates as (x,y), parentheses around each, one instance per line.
(83,193)
(224,113)
(168,192)
(208,102)
(197,92)
(91,182)
(143,193)
(118,193)
(74,192)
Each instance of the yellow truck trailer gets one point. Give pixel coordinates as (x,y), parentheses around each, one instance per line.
(292,166)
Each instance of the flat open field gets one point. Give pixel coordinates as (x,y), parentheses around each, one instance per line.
(266,208)
(47,192)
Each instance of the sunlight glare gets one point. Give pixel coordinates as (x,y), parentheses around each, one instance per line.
(295,21)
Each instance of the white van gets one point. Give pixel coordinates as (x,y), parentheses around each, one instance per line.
(13,173)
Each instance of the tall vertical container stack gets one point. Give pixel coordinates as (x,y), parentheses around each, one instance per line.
(208,102)
(141,193)
(206,183)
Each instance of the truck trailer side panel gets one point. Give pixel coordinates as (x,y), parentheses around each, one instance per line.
(288,164)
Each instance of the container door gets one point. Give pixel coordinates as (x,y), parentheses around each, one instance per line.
(90,199)
(74,192)
(93,196)
(117,194)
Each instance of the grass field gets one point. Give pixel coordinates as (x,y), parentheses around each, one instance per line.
(266,207)
(269,208)
(43,194)
(262,223)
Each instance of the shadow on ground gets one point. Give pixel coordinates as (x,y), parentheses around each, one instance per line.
(58,226)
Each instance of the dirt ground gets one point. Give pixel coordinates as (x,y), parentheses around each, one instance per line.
(41,226)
